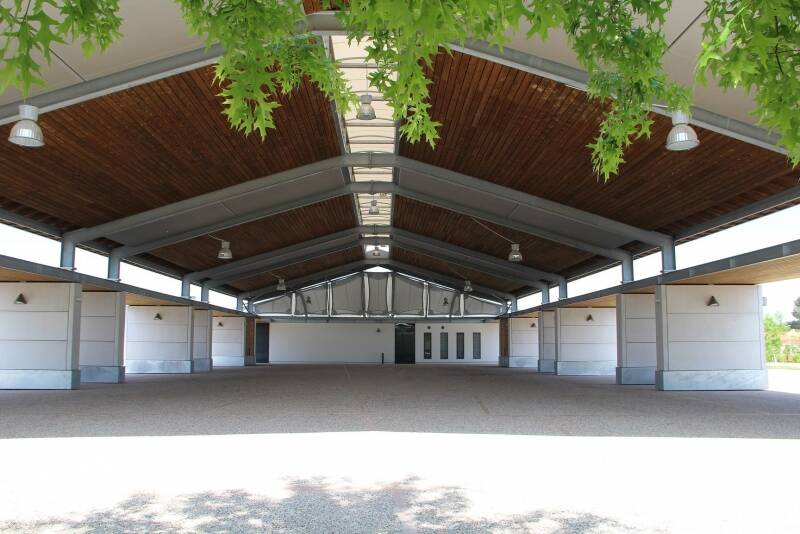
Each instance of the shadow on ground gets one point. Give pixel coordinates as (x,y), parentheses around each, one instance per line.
(315,507)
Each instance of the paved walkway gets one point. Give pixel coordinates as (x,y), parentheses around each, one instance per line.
(395,449)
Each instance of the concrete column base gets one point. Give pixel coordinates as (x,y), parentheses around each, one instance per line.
(716,380)
(135,367)
(39,379)
(504,361)
(102,374)
(636,375)
(523,361)
(602,368)
(547,366)
(249,360)
(202,365)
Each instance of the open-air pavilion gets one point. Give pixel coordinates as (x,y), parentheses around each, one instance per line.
(338,242)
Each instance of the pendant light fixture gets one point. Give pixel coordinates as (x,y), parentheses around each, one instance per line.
(373,207)
(26,132)
(467,286)
(225,251)
(365,111)
(682,136)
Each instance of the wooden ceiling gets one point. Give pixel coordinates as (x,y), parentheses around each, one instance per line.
(155,144)
(530,133)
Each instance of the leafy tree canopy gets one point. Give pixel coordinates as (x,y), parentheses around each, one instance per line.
(753,44)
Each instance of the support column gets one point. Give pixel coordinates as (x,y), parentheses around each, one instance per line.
(201,341)
(524,342)
(709,338)
(40,325)
(547,342)
(159,339)
(627,270)
(250,341)
(668,262)
(586,341)
(204,292)
(186,288)
(636,339)
(562,290)
(229,347)
(505,341)
(67,254)
(102,343)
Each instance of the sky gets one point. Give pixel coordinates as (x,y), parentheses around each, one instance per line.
(773,229)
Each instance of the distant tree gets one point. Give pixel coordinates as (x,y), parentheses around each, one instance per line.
(795,325)
(774,328)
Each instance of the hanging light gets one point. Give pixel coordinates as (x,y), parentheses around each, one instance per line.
(681,136)
(373,208)
(281,284)
(225,251)
(467,286)
(515,255)
(365,111)
(26,132)
(376,252)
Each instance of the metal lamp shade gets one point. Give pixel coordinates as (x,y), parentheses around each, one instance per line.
(26,132)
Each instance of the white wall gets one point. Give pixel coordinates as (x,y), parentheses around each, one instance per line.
(102,329)
(695,336)
(201,334)
(490,342)
(44,333)
(336,342)
(228,340)
(581,340)
(636,330)
(167,339)
(525,338)
(547,335)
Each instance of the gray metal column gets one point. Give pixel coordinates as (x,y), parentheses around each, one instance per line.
(114,261)
(545,295)
(627,270)
(204,291)
(562,289)
(68,254)
(668,263)
(186,288)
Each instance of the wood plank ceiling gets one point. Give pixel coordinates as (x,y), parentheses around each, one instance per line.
(530,134)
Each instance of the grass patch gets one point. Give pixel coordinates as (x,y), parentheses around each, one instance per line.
(783,365)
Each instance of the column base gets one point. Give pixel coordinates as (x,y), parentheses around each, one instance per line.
(547,366)
(39,379)
(636,375)
(504,361)
(136,367)
(602,368)
(202,365)
(523,361)
(102,374)
(249,360)
(716,380)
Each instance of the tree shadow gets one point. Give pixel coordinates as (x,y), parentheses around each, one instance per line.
(315,506)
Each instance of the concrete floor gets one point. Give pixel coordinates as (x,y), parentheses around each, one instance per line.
(395,449)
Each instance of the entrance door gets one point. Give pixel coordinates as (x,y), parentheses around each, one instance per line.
(404,343)
(262,342)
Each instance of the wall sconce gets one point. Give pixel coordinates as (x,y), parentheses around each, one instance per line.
(442,327)
(219,324)
(445,302)
(533,325)
(589,318)
(429,328)
(378,330)
(157,317)
(308,300)
(713,302)
(20,299)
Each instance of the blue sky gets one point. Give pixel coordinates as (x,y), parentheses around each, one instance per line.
(766,231)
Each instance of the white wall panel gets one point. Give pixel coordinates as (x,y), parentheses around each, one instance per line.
(586,341)
(170,338)
(43,296)
(547,335)
(44,333)
(331,342)
(33,354)
(695,336)
(228,339)
(524,338)
(704,327)
(99,353)
(201,334)
(102,328)
(640,306)
(99,304)
(34,325)
(98,328)
(640,355)
(640,330)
